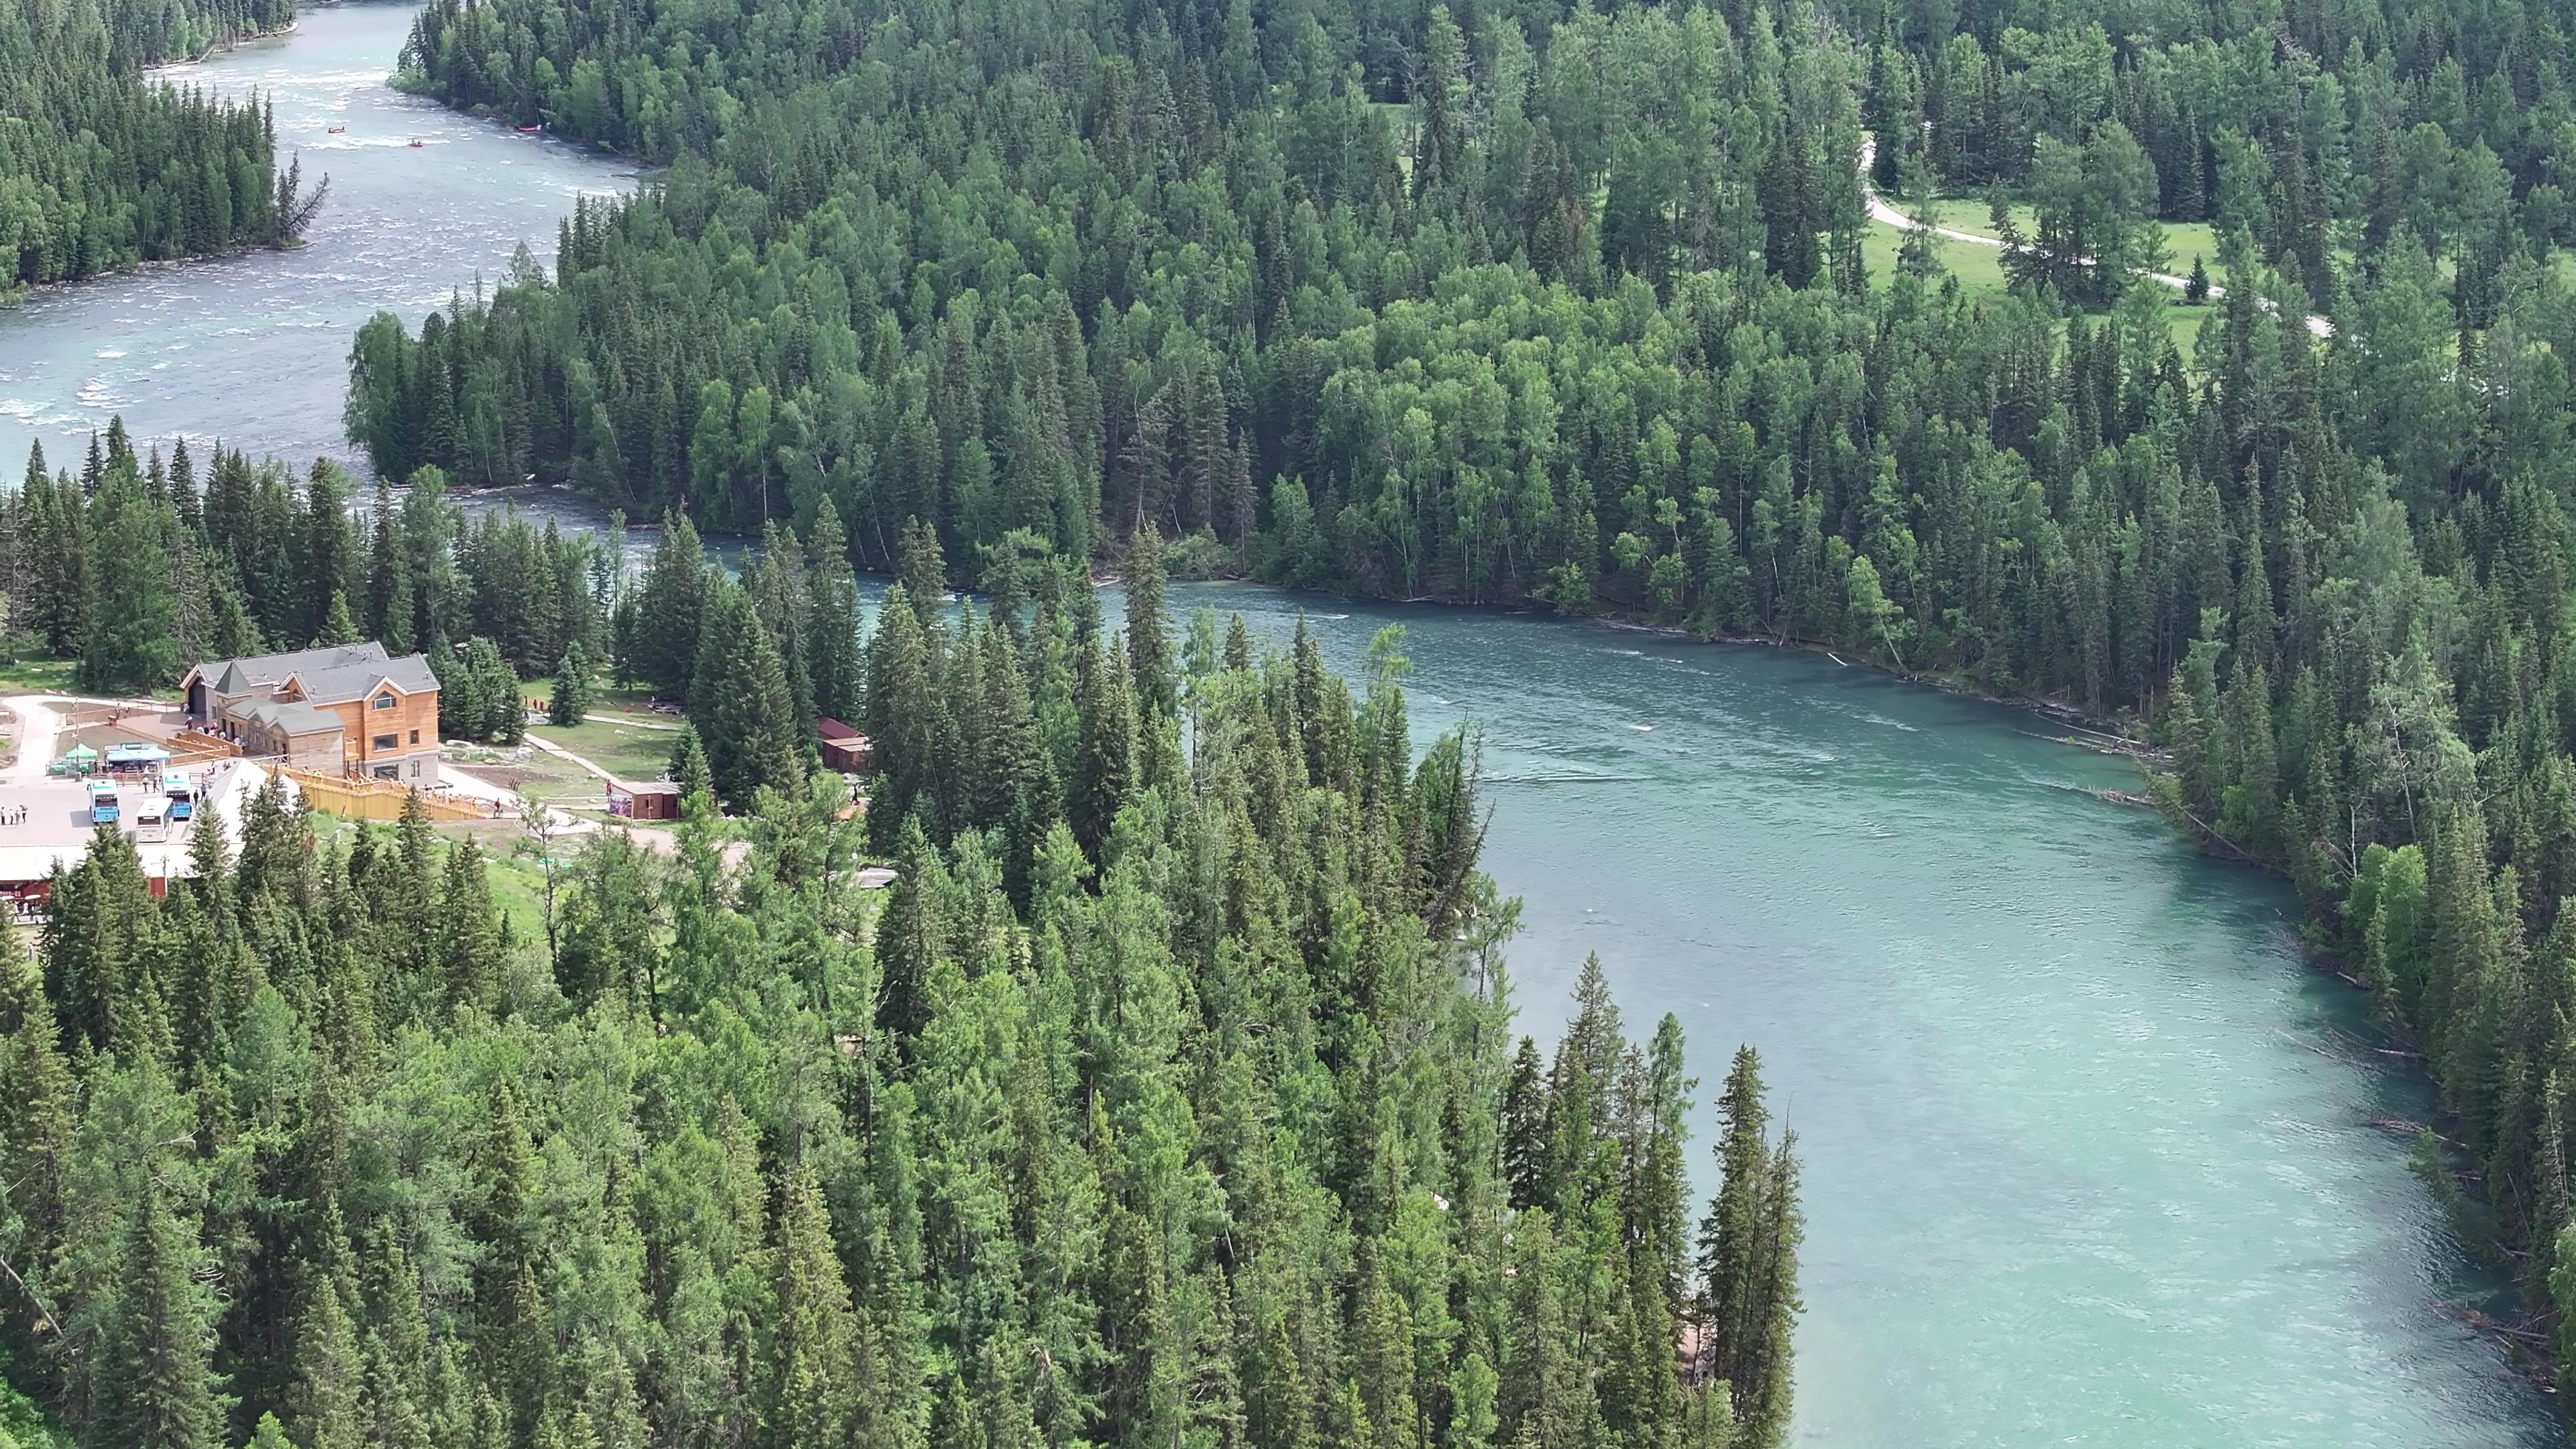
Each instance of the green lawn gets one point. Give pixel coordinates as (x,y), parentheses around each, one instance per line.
(2185,322)
(519,890)
(626,750)
(1980,270)
(36,676)
(2185,241)
(605,702)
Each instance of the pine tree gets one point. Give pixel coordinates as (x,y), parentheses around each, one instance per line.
(1748,1260)
(688,768)
(922,571)
(157,1385)
(329,1398)
(337,625)
(831,626)
(467,931)
(809,1391)
(569,703)
(668,608)
(740,704)
(1525,1125)
(1149,648)
(911,938)
(1105,761)
(36,1087)
(131,641)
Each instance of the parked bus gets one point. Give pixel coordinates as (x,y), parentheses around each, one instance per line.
(102,802)
(174,788)
(149,812)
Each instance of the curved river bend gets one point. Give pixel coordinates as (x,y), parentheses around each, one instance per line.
(2089,1156)
(254,349)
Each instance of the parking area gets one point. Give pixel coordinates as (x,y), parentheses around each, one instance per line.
(45,822)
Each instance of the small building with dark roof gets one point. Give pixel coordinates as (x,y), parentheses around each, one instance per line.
(652,800)
(843,748)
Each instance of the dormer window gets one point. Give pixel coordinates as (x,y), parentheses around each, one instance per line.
(384,701)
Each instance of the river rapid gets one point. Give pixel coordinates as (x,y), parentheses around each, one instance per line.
(2089,1154)
(253,350)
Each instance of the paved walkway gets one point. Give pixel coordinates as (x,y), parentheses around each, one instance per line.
(40,722)
(1880,211)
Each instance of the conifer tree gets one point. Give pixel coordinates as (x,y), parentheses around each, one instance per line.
(131,640)
(923,570)
(36,1102)
(1149,649)
(911,938)
(158,1388)
(739,702)
(569,702)
(809,1394)
(1105,773)
(1748,1259)
(668,604)
(329,1399)
(688,768)
(470,950)
(338,627)
(831,624)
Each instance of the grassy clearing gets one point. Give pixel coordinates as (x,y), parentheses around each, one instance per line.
(2186,322)
(1980,270)
(2185,241)
(617,704)
(540,776)
(36,676)
(628,751)
(519,889)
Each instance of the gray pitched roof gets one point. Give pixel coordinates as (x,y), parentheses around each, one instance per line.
(290,718)
(258,671)
(341,683)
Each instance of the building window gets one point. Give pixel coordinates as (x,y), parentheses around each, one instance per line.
(388,772)
(386,742)
(415,737)
(384,701)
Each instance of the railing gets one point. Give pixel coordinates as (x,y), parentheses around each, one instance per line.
(198,744)
(353,799)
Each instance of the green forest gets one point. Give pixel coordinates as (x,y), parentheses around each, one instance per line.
(1590,308)
(102,168)
(1168,1097)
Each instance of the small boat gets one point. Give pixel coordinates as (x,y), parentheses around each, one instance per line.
(339,130)
(417,143)
(530,130)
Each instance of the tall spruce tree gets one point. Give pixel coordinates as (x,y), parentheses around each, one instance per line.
(739,702)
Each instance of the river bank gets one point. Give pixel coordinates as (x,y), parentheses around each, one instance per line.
(2089,1153)
(219,47)
(252,349)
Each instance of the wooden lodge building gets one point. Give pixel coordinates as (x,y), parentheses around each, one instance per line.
(339,709)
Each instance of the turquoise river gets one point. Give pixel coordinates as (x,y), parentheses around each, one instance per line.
(2091,1158)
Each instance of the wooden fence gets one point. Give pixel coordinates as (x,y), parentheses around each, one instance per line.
(380,799)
